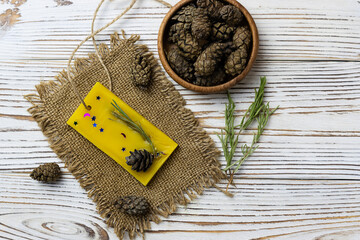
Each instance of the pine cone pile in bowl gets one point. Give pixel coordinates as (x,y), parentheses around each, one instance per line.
(208,45)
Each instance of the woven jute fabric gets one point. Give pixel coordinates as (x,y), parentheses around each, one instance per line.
(191,167)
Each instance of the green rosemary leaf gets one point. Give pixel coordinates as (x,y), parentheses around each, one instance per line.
(120,110)
(136,126)
(257,111)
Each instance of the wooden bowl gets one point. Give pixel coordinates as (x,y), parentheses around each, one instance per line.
(163,46)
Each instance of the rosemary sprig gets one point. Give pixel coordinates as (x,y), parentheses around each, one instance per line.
(246,150)
(136,126)
(227,136)
(256,111)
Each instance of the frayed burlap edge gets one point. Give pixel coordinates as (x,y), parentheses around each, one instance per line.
(174,98)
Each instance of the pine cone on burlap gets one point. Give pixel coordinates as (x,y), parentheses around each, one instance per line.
(179,64)
(141,71)
(132,205)
(47,172)
(212,7)
(236,62)
(231,15)
(184,15)
(208,60)
(190,47)
(242,37)
(216,78)
(178,30)
(140,160)
(221,31)
(201,25)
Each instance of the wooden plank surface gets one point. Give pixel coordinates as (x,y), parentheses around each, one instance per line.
(302,183)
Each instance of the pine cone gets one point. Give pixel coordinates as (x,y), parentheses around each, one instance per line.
(190,47)
(201,25)
(177,30)
(222,31)
(179,64)
(242,37)
(212,7)
(132,205)
(184,15)
(141,71)
(236,62)
(231,15)
(216,78)
(208,60)
(47,172)
(140,160)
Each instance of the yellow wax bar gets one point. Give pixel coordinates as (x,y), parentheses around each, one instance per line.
(116,138)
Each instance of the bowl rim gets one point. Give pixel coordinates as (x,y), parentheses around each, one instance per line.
(204,89)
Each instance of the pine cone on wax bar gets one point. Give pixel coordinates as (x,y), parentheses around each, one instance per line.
(208,60)
(214,79)
(133,205)
(236,62)
(180,65)
(47,172)
(184,15)
(212,7)
(140,160)
(242,36)
(222,31)
(201,25)
(231,15)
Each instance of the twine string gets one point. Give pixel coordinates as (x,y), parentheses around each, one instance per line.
(92,35)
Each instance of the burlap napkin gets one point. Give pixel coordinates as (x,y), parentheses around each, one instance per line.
(192,167)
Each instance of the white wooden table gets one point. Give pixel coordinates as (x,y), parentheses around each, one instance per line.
(302,183)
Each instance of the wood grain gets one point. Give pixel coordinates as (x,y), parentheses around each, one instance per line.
(302,183)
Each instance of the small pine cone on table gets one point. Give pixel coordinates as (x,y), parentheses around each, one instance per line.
(216,78)
(201,25)
(236,62)
(184,15)
(47,172)
(231,15)
(222,31)
(140,160)
(208,60)
(212,7)
(132,205)
(242,37)
(179,64)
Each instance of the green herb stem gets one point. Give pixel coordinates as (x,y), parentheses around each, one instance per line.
(135,126)
(229,140)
